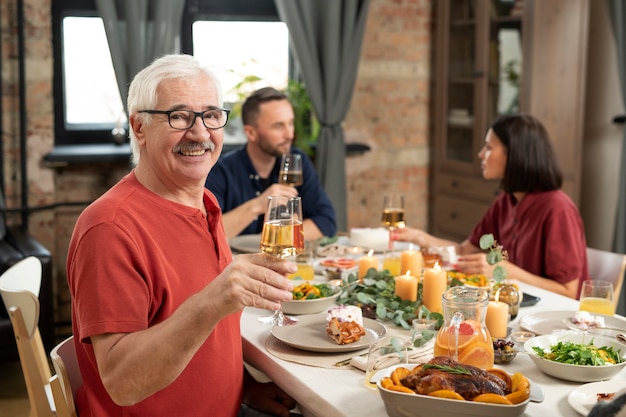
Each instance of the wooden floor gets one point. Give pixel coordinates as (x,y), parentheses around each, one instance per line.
(13,396)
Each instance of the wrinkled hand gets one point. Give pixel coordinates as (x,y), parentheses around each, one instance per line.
(268,398)
(256,280)
(475,263)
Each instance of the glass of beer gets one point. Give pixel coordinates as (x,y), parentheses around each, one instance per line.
(597,297)
(290,171)
(283,237)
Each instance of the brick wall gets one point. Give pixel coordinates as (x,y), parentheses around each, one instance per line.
(389,112)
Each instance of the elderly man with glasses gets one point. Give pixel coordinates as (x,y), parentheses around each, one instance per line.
(156,295)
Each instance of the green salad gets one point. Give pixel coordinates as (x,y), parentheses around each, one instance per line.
(580,354)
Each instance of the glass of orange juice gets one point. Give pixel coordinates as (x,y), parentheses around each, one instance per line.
(464,336)
(391,262)
(304,263)
(597,297)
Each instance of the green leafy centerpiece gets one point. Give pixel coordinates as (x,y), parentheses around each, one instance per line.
(375,294)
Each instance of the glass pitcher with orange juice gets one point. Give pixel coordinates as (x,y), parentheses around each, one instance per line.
(464,336)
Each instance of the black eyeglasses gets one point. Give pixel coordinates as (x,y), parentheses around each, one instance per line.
(184,119)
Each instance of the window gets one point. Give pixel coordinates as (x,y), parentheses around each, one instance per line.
(92,98)
(87,101)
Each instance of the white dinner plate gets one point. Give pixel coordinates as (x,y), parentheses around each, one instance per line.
(546,322)
(583,398)
(309,333)
(246,243)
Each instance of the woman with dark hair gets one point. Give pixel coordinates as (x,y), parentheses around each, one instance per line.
(533,219)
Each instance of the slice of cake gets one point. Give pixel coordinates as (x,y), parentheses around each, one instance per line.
(344,324)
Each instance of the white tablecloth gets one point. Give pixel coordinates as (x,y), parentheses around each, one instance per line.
(324,392)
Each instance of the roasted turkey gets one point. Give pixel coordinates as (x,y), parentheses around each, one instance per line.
(443,373)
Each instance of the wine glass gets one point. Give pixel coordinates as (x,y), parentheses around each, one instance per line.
(290,171)
(283,237)
(393,214)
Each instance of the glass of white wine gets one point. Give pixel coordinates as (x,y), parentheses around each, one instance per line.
(290,172)
(393,214)
(283,237)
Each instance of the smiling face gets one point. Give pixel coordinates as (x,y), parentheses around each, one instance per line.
(179,158)
(273,130)
(493,157)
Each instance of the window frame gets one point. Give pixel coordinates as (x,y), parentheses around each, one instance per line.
(225,10)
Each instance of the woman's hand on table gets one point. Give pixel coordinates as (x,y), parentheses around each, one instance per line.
(474,263)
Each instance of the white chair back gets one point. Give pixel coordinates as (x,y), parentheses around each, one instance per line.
(19,286)
(607,266)
(66,366)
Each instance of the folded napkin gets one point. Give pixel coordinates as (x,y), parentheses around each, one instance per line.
(416,355)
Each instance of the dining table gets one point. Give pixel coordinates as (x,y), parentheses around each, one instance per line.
(324,390)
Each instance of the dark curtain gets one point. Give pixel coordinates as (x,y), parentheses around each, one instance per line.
(617,15)
(326,38)
(138,32)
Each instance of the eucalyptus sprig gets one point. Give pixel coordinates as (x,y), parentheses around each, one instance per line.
(496,254)
(377,292)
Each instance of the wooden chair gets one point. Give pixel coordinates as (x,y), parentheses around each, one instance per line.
(19,287)
(67,379)
(607,266)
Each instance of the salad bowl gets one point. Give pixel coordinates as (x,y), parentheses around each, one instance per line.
(570,372)
(312,306)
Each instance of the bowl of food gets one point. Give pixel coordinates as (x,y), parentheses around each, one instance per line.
(310,297)
(504,351)
(408,396)
(577,357)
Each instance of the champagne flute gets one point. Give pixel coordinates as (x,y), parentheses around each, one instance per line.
(283,237)
(290,171)
(393,214)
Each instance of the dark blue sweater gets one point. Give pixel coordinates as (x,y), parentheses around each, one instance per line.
(234,181)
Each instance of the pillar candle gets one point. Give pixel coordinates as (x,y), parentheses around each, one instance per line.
(411,260)
(497,318)
(365,263)
(406,287)
(434,285)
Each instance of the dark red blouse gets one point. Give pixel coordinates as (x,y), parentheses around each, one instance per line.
(543,234)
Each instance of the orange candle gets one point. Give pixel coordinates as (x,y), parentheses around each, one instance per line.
(406,287)
(411,260)
(497,318)
(367,262)
(433,286)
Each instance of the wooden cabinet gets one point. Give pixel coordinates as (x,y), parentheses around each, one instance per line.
(495,57)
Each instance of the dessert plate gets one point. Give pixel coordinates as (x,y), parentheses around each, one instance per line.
(547,322)
(310,334)
(585,397)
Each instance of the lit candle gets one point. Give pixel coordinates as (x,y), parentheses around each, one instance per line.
(406,287)
(433,286)
(367,262)
(411,260)
(497,318)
